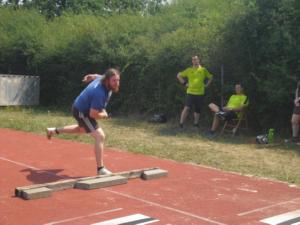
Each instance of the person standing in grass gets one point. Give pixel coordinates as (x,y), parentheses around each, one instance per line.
(197,79)
(296,116)
(90,106)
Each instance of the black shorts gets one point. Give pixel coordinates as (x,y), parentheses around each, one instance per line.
(194,101)
(296,110)
(229,115)
(84,120)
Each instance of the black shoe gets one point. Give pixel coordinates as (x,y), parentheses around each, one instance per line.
(181,126)
(196,125)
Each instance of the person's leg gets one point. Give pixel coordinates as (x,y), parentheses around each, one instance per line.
(295,122)
(184,114)
(218,111)
(71,129)
(214,108)
(196,118)
(198,103)
(99,137)
(215,124)
(295,125)
(186,109)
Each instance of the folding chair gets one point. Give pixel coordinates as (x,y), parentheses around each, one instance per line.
(234,125)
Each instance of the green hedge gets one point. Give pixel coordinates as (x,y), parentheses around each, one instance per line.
(256,41)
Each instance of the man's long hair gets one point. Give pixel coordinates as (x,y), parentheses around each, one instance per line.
(107,76)
(110,73)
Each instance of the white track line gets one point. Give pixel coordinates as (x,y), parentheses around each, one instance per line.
(165,207)
(28,166)
(19,163)
(267,207)
(82,217)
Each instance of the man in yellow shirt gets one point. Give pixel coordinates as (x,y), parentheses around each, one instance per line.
(232,110)
(194,78)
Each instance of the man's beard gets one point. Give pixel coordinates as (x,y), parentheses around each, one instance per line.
(113,89)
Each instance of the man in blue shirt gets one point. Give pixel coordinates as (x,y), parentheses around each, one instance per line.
(90,106)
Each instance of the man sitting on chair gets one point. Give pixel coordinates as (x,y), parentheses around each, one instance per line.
(237,102)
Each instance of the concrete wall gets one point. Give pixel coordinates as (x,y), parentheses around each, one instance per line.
(19,90)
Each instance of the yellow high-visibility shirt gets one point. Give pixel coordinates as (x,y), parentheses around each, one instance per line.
(237,101)
(196,78)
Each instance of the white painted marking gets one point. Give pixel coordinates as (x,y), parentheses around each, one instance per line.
(28,166)
(219,179)
(19,163)
(82,217)
(166,207)
(247,190)
(267,207)
(127,219)
(282,218)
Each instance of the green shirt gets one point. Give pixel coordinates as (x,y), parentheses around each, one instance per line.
(237,101)
(196,78)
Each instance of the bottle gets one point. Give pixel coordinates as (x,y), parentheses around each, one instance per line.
(271,135)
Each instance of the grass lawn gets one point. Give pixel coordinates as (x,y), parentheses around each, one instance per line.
(240,154)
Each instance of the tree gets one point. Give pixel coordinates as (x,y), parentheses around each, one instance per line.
(55,8)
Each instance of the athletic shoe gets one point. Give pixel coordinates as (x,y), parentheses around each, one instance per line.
(103,171)
(50,131)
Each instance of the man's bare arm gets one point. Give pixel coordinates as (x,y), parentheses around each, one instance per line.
(89,77)
(96,114)
(209,82)
(181,80)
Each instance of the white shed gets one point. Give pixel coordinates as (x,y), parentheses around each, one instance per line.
(19,90)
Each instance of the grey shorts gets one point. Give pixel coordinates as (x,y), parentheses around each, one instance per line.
(84,120)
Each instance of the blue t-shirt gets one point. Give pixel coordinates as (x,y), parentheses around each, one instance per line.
(94,96)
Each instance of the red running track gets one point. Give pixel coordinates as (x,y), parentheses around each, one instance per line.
(189,195)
